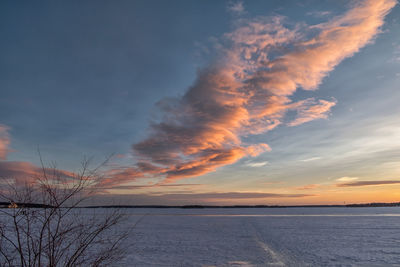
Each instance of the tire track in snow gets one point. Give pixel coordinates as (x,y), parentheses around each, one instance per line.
(275,257)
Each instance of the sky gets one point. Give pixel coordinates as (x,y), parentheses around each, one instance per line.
(206,102)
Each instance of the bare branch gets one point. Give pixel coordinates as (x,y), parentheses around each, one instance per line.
(47,227)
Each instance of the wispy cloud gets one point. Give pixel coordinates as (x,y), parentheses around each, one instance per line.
(232,195)
(247,90)
(22,172)
(396,53)
(257,164)
(309,109)
(310,159)
(181,198)
(236,8)
(133,187)
(4,141)
(319,14)
(307,187)
(366,183)
(346,179)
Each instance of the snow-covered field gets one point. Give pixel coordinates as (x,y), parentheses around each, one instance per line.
(263,237)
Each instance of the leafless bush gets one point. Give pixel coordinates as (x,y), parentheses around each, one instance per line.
(56,232)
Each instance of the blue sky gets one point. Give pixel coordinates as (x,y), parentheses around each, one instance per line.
(84,78)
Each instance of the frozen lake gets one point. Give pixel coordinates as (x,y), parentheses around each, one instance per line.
(264,237)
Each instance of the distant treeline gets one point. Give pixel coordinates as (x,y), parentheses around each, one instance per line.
(396,204)
(24,205)
(36,205)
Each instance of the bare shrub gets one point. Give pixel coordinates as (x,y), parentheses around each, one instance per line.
(46,227)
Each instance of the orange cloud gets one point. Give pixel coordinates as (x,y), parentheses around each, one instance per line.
(4,141)
(232,196)
(211,160)
(247,90)
(208,161)
(307,187)
(22,172)
(308,110)
(366,183)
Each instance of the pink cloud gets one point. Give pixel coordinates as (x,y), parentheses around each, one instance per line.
(236,8)
(307,187)
(25,172)
(22,172)
(4,141)
(309,109)
(207,162)
(368,183)
(247,90)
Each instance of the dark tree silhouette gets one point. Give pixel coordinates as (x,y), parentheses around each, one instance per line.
(56,231)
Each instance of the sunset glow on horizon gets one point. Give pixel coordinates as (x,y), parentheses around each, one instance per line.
(205,102)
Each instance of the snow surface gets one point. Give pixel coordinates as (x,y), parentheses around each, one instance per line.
(263,237)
